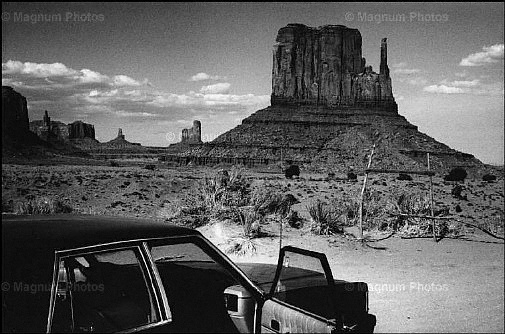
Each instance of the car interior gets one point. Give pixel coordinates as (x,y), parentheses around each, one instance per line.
(110,297)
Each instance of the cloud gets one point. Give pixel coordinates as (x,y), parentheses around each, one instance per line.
(37,70)
(462,83)
(473,87)
(204,76)
(414,81)
(208,101)
(58,75)
(402,68)
(461,74)
(400,65)
(490,54)
(443,89)
(69,94)
(406,71)
(123,80)
(219,88)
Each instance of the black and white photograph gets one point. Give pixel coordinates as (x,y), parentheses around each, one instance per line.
(249,167)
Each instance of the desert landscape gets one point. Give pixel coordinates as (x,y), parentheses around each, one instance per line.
(455,282)
(326,154)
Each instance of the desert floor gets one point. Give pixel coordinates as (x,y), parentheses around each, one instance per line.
(416,285)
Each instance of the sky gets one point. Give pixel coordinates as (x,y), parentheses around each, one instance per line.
(152,68)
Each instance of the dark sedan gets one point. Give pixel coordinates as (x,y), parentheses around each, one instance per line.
(111,274)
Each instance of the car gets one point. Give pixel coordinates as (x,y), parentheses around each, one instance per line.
(78,273)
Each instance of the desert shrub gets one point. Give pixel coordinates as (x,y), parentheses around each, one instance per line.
(456,174)
(7,205)
(211,190)
(236,178)
(225,188)
(42,205)
(113,163)
(216,196)
(489,178)
(294,220)
(237,187)
(413,204)
(250,220)
(189,212)
(419,204)
(323,218)
(404,177)
(352,176)
(241,246)
(456,192)
(291,171)
(150,167)
(264,200)
(346,208)
(375,209)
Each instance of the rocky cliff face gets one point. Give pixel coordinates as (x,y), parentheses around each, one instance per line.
(80,130)
(14,114)
(324,67)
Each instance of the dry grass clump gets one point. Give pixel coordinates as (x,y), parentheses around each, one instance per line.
(42,205)
(323,218)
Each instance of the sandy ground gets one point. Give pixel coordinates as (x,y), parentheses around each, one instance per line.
(415,285)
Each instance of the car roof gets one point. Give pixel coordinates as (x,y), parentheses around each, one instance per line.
(59,232)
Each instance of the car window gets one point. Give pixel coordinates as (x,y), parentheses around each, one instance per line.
(103,292)
(195,285)
(303,283)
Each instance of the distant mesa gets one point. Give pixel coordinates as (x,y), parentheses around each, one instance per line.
(77,133)
(193,134)
(14,114)
(189,138)
(15,123)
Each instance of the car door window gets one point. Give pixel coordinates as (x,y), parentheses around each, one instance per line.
(103,291)
(303,283)
(195,285)
(301,296)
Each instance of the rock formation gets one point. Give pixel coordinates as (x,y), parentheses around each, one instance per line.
(80,130)
(120,143)
(77,132)
(192,135)
(324,67)
(328,108)
(120,133)
(14,114)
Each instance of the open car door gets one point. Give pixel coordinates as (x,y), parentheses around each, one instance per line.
(304,298)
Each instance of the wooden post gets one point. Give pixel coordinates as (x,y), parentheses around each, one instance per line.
(433,221)
(280,234)
(360,236)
